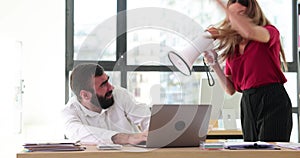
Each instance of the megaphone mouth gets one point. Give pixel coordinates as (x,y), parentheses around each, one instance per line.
(179,63)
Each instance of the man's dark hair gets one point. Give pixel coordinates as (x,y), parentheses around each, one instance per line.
(81,77)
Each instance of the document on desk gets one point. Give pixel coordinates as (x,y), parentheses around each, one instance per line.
(289,145)
(250,145)
(53,146)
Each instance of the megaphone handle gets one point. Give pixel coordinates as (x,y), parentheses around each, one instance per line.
(210,79)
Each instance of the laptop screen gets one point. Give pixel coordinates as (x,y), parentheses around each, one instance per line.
(179,125)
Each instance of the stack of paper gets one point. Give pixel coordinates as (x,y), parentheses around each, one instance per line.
(249,145)
(289,145)
(65,146)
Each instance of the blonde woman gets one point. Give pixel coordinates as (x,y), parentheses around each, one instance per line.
(252,53)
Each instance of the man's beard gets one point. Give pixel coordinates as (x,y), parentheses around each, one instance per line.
(101,101)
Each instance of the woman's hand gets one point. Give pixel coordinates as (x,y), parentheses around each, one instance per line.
(240,22)
(210,57)
(213,31)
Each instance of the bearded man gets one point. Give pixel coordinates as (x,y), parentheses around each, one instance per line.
(100,113)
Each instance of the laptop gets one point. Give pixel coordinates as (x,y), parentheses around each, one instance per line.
(181,125)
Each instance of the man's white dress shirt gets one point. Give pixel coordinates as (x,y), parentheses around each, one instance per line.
(124,116)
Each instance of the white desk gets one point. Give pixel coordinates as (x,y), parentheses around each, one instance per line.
(133,152)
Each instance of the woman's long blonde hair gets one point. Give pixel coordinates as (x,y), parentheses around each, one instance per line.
(229,38)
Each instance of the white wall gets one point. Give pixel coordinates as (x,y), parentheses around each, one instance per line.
(40,26)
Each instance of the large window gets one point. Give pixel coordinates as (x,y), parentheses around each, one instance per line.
(131,38)
(91,18)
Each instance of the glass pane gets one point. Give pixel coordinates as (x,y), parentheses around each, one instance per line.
(173,27)
(295,133)
(150,46)
(282,19)
(95,30)
(200,11)
(298,28)
(164,87)
(290,87)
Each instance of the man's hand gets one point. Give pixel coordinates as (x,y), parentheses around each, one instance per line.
(124,138)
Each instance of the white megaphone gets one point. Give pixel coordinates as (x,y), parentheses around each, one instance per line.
(184,60)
